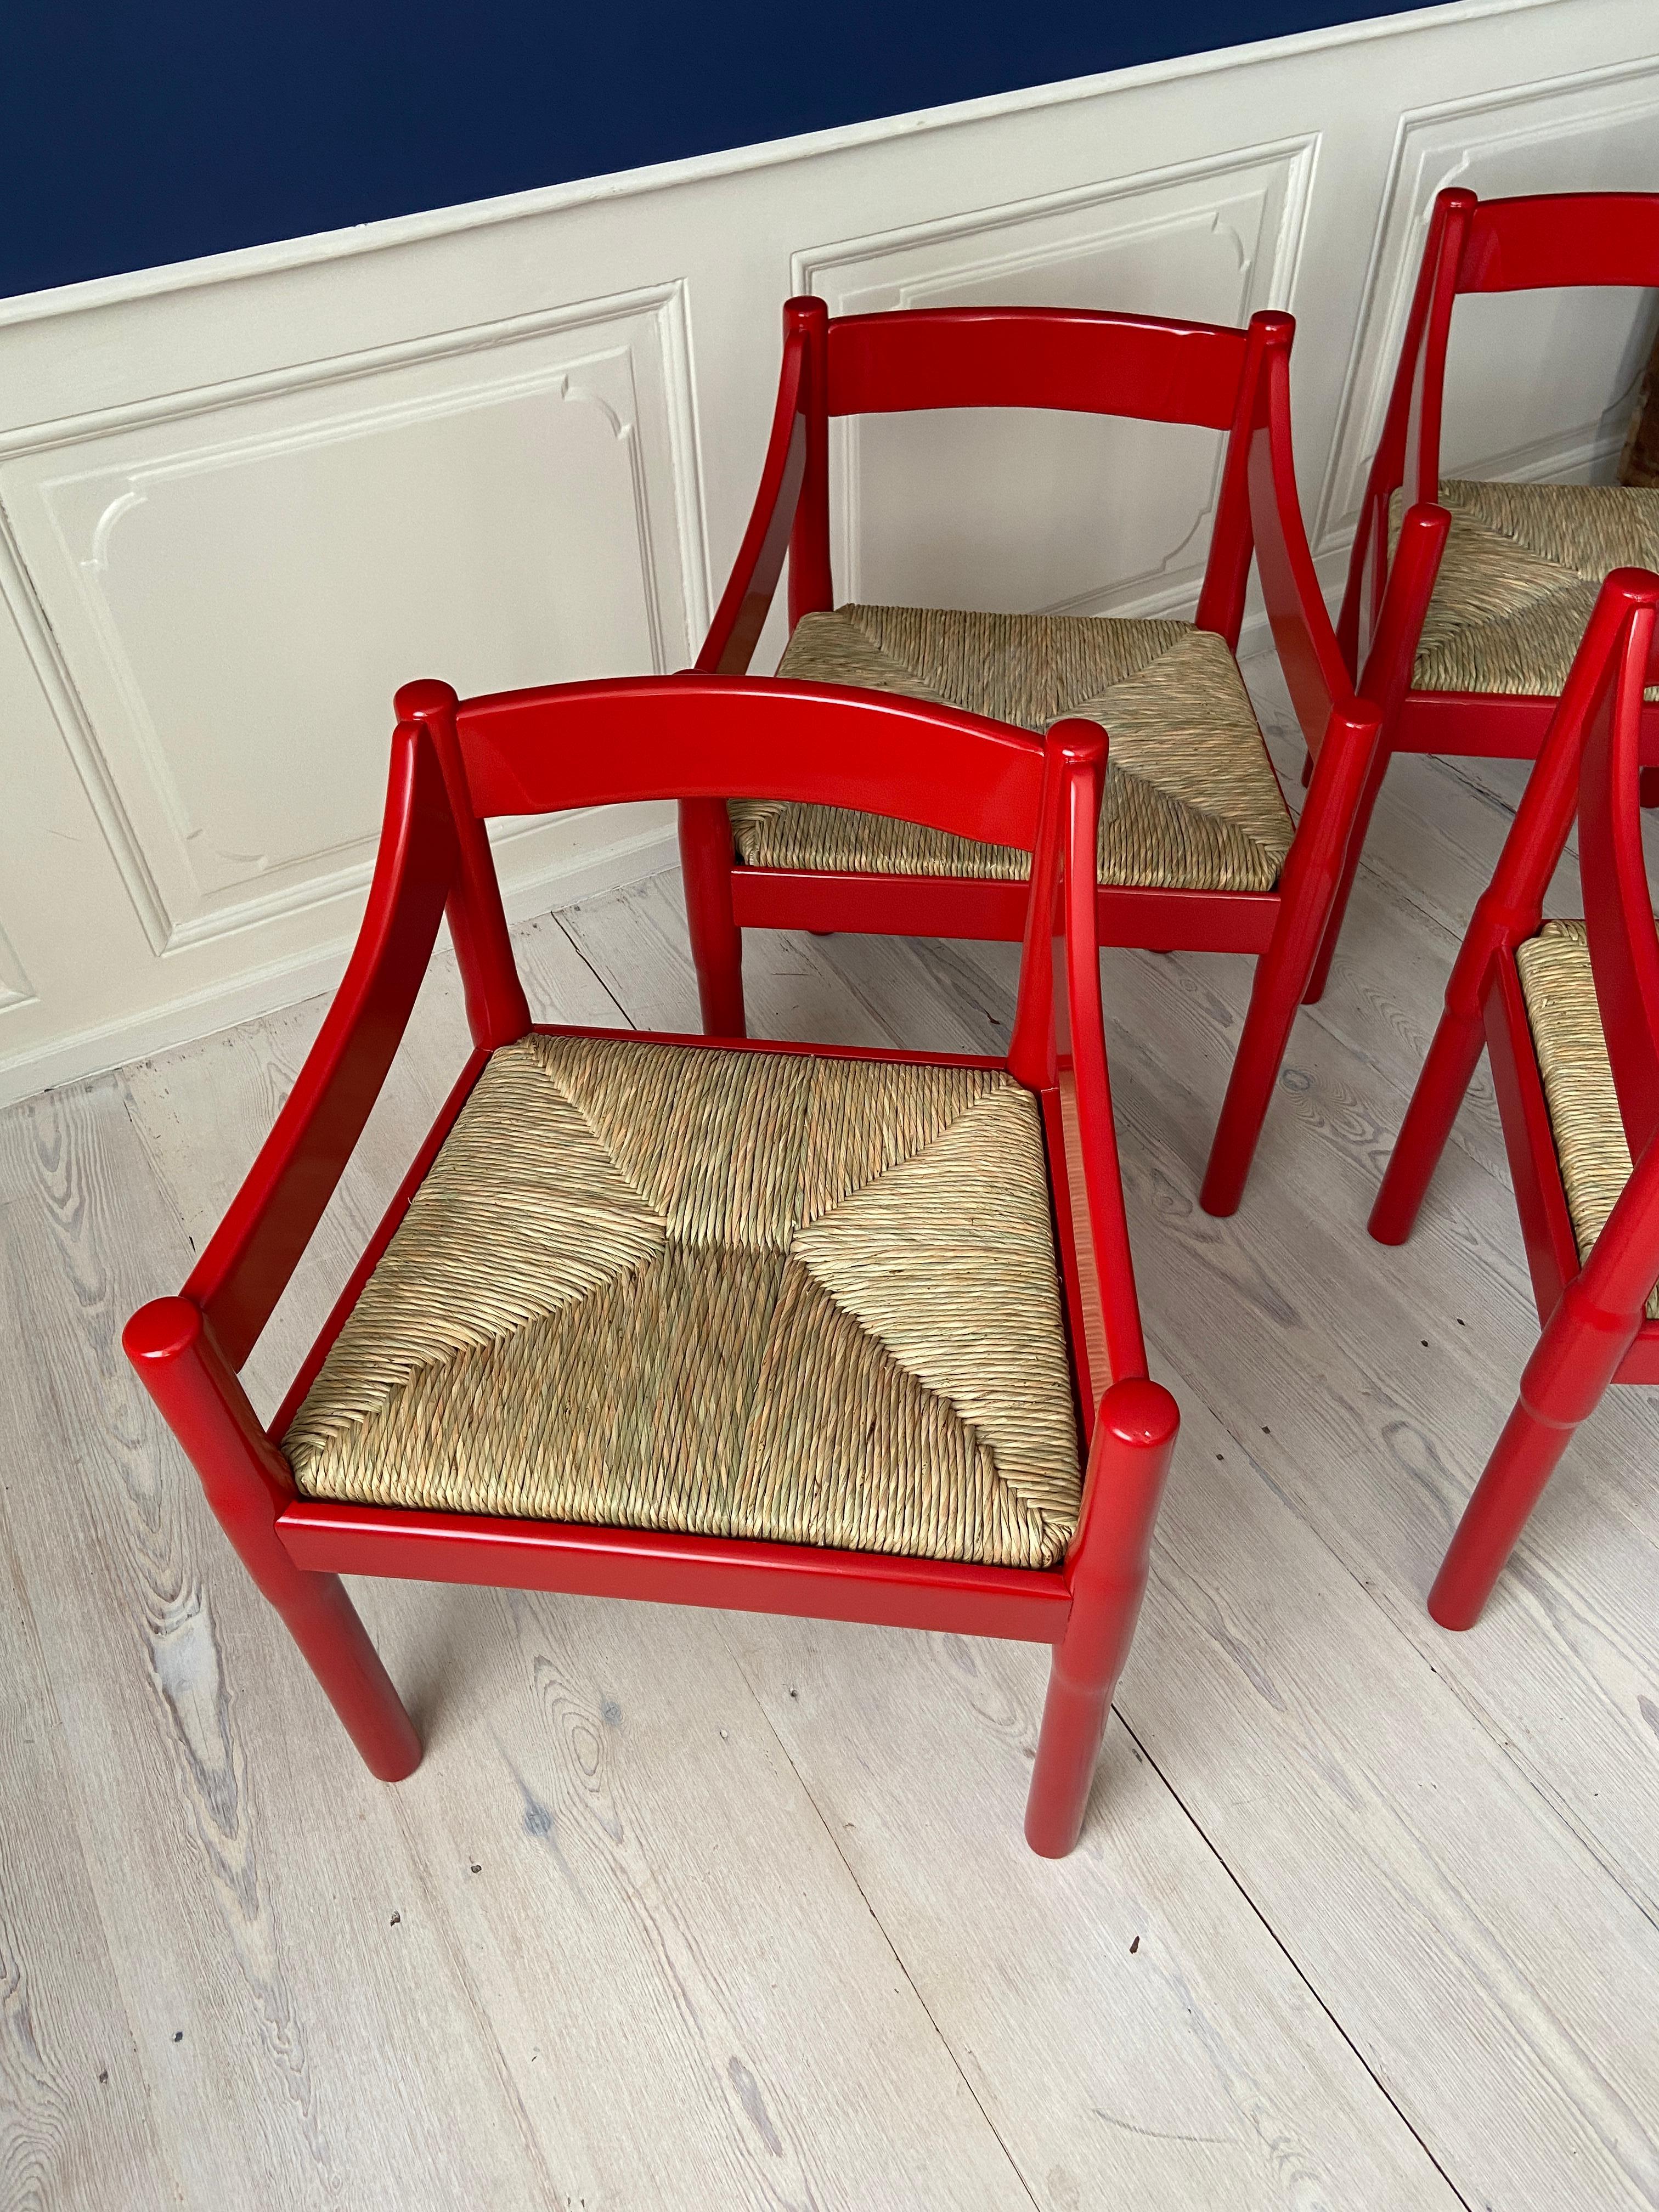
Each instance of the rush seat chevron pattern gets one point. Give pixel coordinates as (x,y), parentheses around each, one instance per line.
(1522,567)
(755,1294)
(1191,800)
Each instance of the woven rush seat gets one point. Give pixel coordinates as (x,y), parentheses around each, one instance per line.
(743,1294)
(1558,985)
(1191,801)
(1522,567)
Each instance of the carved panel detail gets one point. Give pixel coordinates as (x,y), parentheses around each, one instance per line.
(232,590)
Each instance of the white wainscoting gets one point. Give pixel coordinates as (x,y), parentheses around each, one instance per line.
(242,499)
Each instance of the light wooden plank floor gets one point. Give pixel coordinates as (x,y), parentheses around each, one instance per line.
(700,1910)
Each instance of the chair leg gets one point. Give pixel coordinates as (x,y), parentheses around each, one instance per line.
(1362,822)
(1525,1456)
(247,1483)
(1134,1437)
(1578,1354)
(334,1644)
(1447,1072)
(1281,973)
(716,941)
(1274,998)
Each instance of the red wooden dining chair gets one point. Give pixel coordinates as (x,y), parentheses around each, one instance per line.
(1197,849)
(1512,568)
(1569,1012)
(790,1328)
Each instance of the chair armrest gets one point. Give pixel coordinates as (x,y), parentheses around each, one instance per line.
(247,1264)
(1391,646)
(747,599)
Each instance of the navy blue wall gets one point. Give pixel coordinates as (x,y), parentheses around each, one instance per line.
(138,134)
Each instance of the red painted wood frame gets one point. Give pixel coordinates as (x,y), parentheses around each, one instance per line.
(1235,382)
(1544,240)
(1594,1327)
(690,737)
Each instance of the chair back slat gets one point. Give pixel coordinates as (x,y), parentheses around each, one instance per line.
(1618,903)
(1523,243)
(704,736)
(1086,362)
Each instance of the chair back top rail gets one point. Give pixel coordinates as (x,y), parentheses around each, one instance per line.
(1077,360)
(1539,240)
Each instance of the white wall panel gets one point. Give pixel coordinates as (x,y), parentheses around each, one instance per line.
(1031,512)
(243,499)
(1538,384)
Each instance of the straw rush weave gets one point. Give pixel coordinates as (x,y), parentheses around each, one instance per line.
(1191,801)
(1522,565)
(1558,985)
(737,1293)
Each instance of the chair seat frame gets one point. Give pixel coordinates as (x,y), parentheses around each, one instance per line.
(454,765)
(1233,381)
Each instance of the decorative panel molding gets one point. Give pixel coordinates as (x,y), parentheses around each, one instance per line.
(1540,384)
(16,989)
(1038,512)
(231,590)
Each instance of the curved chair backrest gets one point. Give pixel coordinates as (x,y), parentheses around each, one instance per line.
(455,763)
(1520,245)
(1523,243)
(1077,361)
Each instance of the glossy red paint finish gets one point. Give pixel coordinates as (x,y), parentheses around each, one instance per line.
(1594,1326)
(692,737)
(1560,239)
(1235,382)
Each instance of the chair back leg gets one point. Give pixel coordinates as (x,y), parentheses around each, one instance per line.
(1448,1071)
(1134,1436)
(716,941)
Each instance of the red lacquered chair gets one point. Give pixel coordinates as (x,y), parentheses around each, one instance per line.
(1513,568)
(1197,850)
(850,1335)
(1569,1012)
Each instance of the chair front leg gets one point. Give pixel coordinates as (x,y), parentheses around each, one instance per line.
(716,941)
(1574,1360)
(1134,1436)
(247,1483)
